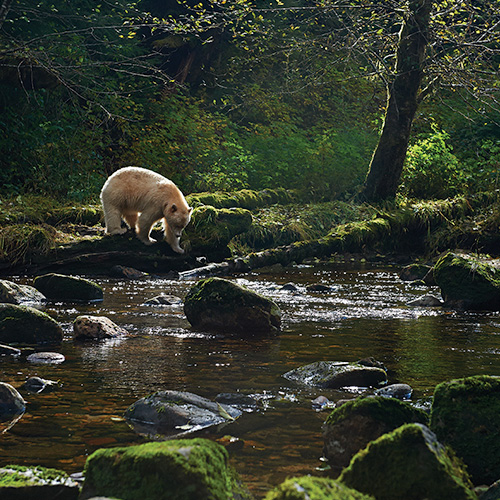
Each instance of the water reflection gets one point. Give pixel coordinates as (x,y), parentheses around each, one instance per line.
(364,314)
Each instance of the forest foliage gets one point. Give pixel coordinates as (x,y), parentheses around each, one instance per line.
(89,87)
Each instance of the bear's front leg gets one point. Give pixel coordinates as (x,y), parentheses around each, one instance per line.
(144,225)
(171,238)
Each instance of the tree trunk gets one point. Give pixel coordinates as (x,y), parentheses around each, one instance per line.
(403,98)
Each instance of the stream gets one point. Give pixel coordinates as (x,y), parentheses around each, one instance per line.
(364,314)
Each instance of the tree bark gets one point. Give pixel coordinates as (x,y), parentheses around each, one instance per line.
(402,102)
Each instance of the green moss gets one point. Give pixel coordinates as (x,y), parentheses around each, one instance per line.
(68,288)
(408,463)
(465,416)
(180,469)
(16,476)
(26,325)
(466,278)
(390,411)
(314,488)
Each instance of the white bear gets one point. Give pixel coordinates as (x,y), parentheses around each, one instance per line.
(142,197)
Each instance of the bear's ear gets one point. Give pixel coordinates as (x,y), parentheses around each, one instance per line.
(173,208)
(190,209)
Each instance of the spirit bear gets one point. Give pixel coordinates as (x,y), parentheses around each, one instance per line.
(142,197)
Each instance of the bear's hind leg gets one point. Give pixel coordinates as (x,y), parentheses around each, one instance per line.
(113,221)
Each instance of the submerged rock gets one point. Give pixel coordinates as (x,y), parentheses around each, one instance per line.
(408,463)
(216,304)
(88,327)
(187,469)
(38,385)
(126,272)
(426,301)
(46,358)
(468,282)
(350,427)
(314,488)
(337,374)
(36,483)
(398,391)
(13,293)
(173,412)
(26,325)
(319,288)
(465,415)
(65,288)
(12,403)
(163,300)
(414,272)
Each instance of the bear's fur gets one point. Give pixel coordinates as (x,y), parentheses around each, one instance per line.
(142,197)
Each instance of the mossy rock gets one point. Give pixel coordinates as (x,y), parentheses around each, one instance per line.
(468,282)
(314,488)
(27,325)
(68,288)
(408,463)
(337,374)
(170,470)
(211,229)
(350,427)
(465,415)
(36,483)
(14,293)
(414,272)
(217,304)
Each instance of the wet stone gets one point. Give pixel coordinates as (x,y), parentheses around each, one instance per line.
(126,272)
(13,293)
(12,403)
(6,350)
(319,288)
(163,300)
(398,391)
(46,358)
(38,385)
(88,327)
(426,301)
(240,401)
(59,287)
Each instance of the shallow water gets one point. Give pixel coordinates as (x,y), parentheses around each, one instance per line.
(364,315)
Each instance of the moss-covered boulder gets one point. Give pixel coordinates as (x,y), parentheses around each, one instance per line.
(350,427)
(27,325)
(314,488)
(212,229)
(408,463)
(178,469)
(14,293)
(36,483)
(217,304)
(468,282)
(465,415)
(337,374)
(171,413)
(68,288)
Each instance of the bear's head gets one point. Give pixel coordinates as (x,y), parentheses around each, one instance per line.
(177,217)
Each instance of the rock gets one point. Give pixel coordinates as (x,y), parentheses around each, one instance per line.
(214,269)
(12,403)
(187,469)
(408,463)
(88,327)
(318,287)
(46,358)
(240,401)
(216,304)
(414,272)
(211,229)
(426,301)
(336,374)
(59,287)
(163,300)
(172,412)
(322,403)
(38,385)
(36,483)
(12,293)
(464,415)
(351,426)
(371,361)
(6,350)
(314,488)
(126,272)
(490,493)
(468,282)
(289,287)
(398,391)
(26,325)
